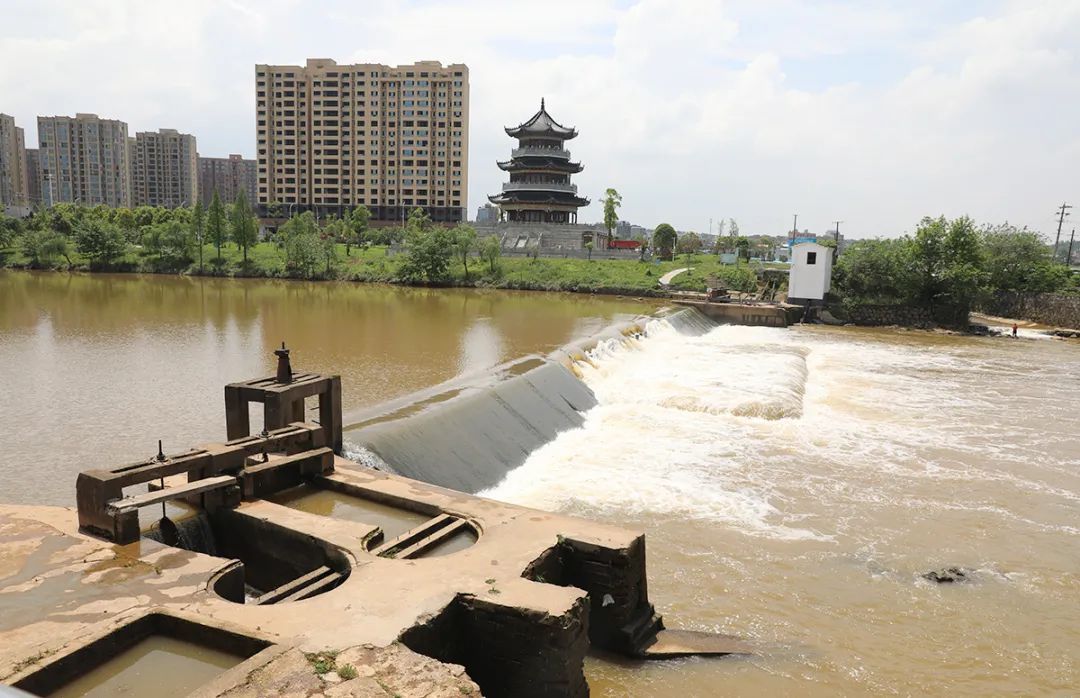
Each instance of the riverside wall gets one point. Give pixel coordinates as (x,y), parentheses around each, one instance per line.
(1047,308)
(886,315)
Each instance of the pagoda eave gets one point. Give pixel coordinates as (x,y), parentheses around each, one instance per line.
(537,199)
(525,132)
(541,164)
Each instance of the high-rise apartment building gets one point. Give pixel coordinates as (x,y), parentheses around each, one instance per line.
(84,159)
(333,136)
(13,184)
(165,166)
(227,176)
(33,176)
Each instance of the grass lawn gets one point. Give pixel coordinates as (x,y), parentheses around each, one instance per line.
(378,264)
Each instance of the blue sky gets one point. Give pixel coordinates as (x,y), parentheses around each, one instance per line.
(872,112)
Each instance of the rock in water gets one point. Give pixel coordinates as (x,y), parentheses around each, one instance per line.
(947,575)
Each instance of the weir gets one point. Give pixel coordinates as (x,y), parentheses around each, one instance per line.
(294,559)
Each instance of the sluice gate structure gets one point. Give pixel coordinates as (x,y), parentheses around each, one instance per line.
(232,548)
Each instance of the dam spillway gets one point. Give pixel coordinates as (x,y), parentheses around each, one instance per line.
(515,596)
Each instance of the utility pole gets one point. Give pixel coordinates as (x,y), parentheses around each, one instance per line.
(836,240)
(794,230)
(1062,212)
(1068,261)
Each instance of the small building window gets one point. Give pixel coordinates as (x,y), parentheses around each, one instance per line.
(811,258)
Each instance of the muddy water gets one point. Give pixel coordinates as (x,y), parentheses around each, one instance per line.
(94,369)
(795,484)
(158,666)
(392,520)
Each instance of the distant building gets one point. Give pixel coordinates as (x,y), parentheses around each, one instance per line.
(14,195)
(811,273)
(539,190)
(227,176)
(331,137)
(84,159)
(487,214)
(164,169)
(33,177)
(638,231)
(622,230)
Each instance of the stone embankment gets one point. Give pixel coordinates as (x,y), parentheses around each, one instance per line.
(1054,309)
(885,315)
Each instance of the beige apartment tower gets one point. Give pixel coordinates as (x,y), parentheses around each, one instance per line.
(14,187)
(227,176)
(84,159)
(331,137)
(165,167)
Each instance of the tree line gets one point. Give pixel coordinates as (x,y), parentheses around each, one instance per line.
(947,267)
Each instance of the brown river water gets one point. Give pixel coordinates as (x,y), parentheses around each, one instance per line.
(793,484)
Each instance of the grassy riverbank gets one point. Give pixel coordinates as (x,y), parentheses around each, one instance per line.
(379,265)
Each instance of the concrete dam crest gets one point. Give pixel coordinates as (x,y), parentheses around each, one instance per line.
(469,433)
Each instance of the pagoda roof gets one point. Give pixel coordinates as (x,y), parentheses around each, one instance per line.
(540,163)
(538,197)
(541,124)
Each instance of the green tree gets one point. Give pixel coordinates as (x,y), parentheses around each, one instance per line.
(612,201)
(124,218)
(948,256)
(300,239)
(463,242)
(242,226)
(198,229)
(101,241)
(1019,260)
(216,229)
(357,227)
(333,231)
(877,272)
(10,228)
(742,246)
(689,244)
(429,249)
(490,251)
(44,245)
(664,238)
(274,209)
(171,241)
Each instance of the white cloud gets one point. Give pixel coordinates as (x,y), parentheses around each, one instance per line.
(873,112)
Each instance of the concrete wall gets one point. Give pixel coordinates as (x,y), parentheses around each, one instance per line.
(1047,308)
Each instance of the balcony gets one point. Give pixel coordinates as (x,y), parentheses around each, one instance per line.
(539,186)
(539,151)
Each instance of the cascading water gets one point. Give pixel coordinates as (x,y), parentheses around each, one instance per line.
(795,484)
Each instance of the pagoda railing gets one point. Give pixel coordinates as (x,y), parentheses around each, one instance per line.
(539,186)
(540,151)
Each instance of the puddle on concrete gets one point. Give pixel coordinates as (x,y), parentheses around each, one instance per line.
(392,520)
(158,666)
(455,543)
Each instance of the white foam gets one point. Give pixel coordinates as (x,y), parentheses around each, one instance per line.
(788,434)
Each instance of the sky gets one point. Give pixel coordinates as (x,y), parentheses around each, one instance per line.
(871,112)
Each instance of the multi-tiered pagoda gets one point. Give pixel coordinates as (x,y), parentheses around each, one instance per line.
(539,190)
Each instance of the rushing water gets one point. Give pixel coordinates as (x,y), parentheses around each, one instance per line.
(794,485)
(95,368)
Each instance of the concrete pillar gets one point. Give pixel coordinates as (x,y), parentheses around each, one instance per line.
(330,413)
(237,423)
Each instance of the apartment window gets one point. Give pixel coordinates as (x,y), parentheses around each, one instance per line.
(811,258)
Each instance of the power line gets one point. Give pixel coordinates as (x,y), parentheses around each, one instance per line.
(1062,212)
